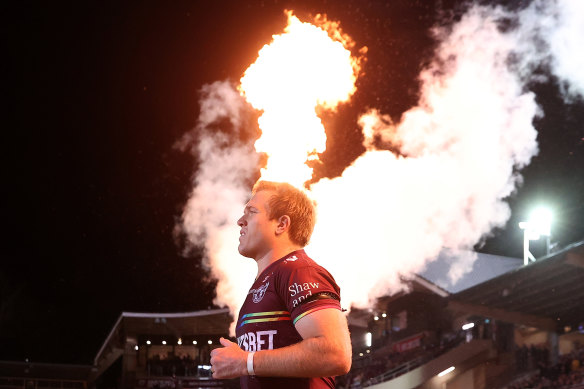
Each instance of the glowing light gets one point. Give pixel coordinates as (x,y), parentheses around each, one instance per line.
(194,342)
(375,317)
(136,347)
(210,342)
(148,342)
(301,70)
(164,342)
(539,224)
(384,315)
(368,337)
(468,326)
(541,220)
(179,341)
(443,373)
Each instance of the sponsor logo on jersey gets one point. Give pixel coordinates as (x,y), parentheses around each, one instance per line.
(299,288)
(256,341)
(302,290)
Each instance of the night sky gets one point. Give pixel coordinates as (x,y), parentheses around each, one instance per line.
(99,94)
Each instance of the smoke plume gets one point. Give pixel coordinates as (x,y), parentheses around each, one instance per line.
(220,189)
(461,150)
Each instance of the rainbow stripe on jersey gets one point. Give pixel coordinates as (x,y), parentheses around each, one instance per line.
(313,310)
(259,317)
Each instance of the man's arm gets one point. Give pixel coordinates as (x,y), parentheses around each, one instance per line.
(324,351)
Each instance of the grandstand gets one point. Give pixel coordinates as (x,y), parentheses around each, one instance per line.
(502,326)
(162,350)
(521,325)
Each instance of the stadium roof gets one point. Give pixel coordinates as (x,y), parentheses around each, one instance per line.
(485,267)
(546,294)
(131,325)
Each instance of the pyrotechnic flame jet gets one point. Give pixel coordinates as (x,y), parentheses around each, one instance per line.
(299,71)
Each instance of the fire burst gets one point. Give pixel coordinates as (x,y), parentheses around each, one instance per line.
(302,69)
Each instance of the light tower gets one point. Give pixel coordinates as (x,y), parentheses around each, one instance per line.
(538,224)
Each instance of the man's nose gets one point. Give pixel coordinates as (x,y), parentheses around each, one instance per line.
(241,222)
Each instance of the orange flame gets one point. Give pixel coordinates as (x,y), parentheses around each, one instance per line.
(300,70)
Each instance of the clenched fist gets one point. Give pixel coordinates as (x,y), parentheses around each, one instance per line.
(229,361)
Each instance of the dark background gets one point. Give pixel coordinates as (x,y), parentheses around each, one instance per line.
(98,94)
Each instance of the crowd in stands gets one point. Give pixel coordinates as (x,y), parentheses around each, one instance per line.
(528,358)
(375,364)
(568,373)
(173,366)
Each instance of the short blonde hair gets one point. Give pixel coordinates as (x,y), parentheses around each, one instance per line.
(291,201)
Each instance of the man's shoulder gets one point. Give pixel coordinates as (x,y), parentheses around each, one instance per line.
(297,259)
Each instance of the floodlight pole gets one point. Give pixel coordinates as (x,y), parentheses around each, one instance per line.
(527,256)
(527,236)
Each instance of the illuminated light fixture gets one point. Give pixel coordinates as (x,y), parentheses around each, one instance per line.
(148,342)
(540,223)
(443,373)
(360,354)
(164,342)
(368,337)
(368,351)
(468,326)
(136,347)
(210,341)
(194,342)
(384,314)
(375,317)
(179,341)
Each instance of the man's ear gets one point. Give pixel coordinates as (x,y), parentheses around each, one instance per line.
(283,224)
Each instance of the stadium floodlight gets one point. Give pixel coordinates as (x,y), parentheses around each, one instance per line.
(444,372)
(540,223)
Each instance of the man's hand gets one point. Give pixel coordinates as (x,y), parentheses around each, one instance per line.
(229,361)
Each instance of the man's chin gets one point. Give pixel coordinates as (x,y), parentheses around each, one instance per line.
(244,253)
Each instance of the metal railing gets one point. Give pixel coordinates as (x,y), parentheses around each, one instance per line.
(397,371)
(410,365)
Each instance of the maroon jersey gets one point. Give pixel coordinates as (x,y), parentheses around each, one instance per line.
(286,291)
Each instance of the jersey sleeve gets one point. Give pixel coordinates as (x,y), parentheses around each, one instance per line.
(308,289)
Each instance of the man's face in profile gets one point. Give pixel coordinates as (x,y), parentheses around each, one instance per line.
(257,231)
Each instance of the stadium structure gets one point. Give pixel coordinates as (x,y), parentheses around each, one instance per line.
(502,325)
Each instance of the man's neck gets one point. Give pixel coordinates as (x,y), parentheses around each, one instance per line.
(273,255)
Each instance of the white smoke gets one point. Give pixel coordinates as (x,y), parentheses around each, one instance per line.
(220,190)
(472,127)
(560,24)
(461,149)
